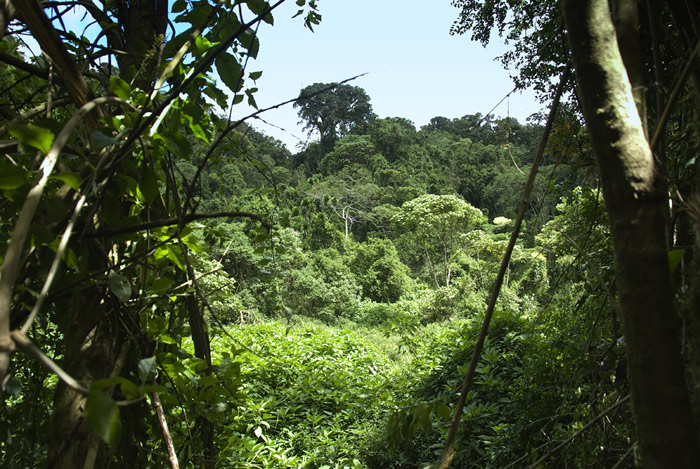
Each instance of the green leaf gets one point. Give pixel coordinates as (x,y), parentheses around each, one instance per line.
(147,369)
(255,75)
(230,71)
(161,285)
(121,89)
(72,179)
(12,177)
(148,184)
(32,135)
(119,285)
(444,412)
(251,43)
(674,258)
(178,144)
(196,16)
(103,414)
(179,6)
(13,387)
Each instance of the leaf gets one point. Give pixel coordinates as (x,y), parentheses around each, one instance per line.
(255,75)
(230,71)
(72,179)
(119,285)
(148,183)
(251,43)
(178,6)
(258,432)
(121,89)
(13,387)
(32,135)
(103,414)
(444,412)
(161,285)
(196,16)
(12,177)
(98,140)
(147,369)
(674,258)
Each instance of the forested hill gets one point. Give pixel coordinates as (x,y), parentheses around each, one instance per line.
(178,289)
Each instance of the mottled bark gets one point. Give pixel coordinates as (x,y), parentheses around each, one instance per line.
(92,343)
(637,203)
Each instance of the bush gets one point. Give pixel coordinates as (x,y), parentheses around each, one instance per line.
(315,395)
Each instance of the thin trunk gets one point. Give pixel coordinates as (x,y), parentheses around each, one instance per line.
(637,204)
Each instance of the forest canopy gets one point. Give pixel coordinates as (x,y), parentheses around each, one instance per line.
(179,289)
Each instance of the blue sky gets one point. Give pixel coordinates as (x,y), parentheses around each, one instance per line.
(415,68)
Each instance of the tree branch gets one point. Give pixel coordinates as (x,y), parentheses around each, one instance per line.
(172,221)
(28,347)
(11,264)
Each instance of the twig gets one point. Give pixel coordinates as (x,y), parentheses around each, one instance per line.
(166,432)
(11,264)
(178,221)
(596,271)
(26,346)
(579,431)
(54,265)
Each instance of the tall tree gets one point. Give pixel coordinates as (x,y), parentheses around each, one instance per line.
(636,200)
(90,183)
(333,113)
(622,69)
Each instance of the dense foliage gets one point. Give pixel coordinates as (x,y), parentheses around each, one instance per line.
(223,302)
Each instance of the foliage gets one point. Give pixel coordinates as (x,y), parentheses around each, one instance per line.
(333,110)
(435,223)
(315,395)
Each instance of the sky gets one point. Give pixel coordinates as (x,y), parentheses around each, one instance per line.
(415,68)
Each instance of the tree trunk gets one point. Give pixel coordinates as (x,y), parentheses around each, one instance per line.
(93,339)
(637,204)
(94,331)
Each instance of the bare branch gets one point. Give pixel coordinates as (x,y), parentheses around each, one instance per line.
(183,220)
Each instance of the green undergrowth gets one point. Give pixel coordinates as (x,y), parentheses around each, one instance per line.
(315,395)
(321,396)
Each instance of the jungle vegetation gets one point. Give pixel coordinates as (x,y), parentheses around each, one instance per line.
(179,289)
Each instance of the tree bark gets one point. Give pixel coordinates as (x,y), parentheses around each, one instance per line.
(637,204)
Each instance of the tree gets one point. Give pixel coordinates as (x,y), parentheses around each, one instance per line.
(333,113)
(99,230)
(435,223)
(624,91)
(637,205)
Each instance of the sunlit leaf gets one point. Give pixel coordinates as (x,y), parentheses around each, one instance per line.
(120,88)
(32,135)
(73,180)
(230,71)
(119,285)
